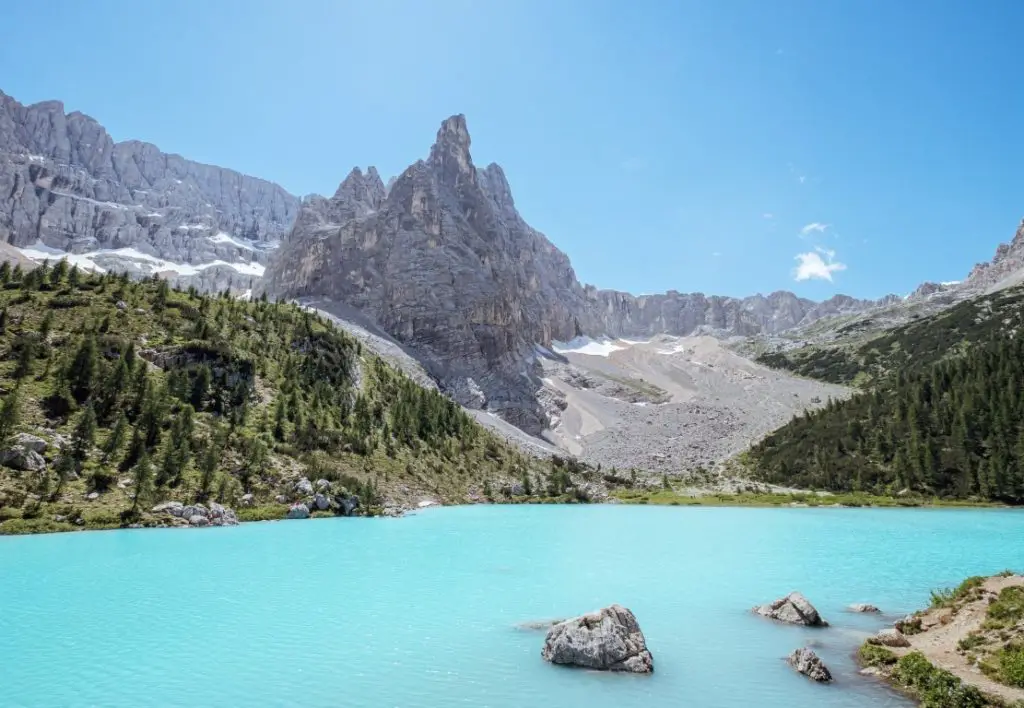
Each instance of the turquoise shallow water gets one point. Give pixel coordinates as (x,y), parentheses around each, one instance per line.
(422,611)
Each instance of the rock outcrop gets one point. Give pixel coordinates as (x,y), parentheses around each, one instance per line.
(298,511)
(794,608)
(213,514)
(808,663)
(23,458)
(607,640)
(66,186)
(890,638)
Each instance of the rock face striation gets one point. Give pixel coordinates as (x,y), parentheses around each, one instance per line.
(794,608)
(66,186)
(607,640)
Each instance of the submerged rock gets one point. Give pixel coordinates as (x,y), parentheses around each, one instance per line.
(808,663)
(298,511)
(607,640)
(794,608)
(864,608)
(890,638)
(538,625)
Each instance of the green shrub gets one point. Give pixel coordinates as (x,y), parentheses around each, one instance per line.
(874,655)
(1007,610)
(1011,666)
(934,687)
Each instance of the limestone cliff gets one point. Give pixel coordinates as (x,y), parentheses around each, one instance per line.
(66,186)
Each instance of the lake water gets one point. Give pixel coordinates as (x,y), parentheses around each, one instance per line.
(422,611)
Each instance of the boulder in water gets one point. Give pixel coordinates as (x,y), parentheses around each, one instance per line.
(864,608)
(607,640)
(794,608)
(806,662)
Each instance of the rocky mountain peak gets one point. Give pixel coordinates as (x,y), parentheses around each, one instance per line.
(449,156)
(358,194)
(1005,269)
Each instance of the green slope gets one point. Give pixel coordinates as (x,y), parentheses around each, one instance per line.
(860,358)
(942,414)
(199,398)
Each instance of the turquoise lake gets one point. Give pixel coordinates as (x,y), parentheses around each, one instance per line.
(423,611)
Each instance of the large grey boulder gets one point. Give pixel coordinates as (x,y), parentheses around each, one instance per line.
(794,608)
(303,487)
(168,507)
(298,511)
(890,638)
(32,442)
(607,640)
(22,458)
(321,502)
(810,665)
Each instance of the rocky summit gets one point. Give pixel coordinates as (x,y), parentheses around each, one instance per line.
(67,188)
(444,263)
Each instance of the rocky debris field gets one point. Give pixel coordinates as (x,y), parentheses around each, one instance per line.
(669,405)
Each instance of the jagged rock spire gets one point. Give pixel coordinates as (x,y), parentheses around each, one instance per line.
(449,156)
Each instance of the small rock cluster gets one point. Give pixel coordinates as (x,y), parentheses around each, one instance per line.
(309,497)
(199,514)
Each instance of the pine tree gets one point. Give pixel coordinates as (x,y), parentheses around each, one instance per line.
(10,415)
(26,357)
(208,464)
(66,470)
(3,317)
(46,326)
(143,478)
(59,272)
(116,438)
(84,437)
(81,373)
(5,273)
(201,387)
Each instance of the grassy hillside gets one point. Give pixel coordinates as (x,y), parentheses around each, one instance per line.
(943,414)
(147,394)
(916,345)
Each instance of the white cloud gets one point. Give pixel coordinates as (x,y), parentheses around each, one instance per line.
(814,227)
(767,215)
(811,265)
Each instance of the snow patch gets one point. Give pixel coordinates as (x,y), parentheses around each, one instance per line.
(221,237)
(602,346)
(41,252)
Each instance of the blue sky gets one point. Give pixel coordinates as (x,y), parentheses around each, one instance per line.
(725,146)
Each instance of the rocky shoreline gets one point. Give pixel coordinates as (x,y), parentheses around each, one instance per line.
(964,651)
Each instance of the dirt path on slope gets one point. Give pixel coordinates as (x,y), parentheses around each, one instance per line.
(939,641)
